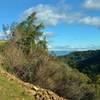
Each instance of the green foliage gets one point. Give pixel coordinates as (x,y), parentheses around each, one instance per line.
(64,81)
(26,56)
(87,62)
(27,35)
(26,41)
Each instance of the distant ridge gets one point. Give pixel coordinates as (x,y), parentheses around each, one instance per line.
(59,53)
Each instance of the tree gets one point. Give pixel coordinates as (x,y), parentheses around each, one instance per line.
(28,35)
(26,48)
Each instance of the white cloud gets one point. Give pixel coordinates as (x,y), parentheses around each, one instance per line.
(92,4)
(50,46)
(49,34)
(50,15)
(59,48)
(73,48)
(88,20)
(46,14)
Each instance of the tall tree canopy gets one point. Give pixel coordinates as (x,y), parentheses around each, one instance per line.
(27,34)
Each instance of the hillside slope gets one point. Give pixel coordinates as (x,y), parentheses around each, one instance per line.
(87,62)
(11,88)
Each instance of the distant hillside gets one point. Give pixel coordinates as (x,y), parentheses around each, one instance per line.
(87,62)
(59,53)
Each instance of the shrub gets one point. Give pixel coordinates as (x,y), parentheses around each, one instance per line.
(26,56)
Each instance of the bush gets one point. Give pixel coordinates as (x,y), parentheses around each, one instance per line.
(64,81)
(26,56)
(40,70)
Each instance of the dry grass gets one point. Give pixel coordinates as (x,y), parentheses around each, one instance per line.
(15,89)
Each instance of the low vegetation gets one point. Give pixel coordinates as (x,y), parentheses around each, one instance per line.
(25,55)
(10,90)
(87,62)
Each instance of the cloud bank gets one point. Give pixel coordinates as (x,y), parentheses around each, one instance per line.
(52,16)
(92,4)
(88,20)
(71,48)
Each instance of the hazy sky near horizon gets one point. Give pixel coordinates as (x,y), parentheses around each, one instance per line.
(69,24)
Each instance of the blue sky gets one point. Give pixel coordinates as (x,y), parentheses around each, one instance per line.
(69,24)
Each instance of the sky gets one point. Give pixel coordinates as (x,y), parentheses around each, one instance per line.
(69,24)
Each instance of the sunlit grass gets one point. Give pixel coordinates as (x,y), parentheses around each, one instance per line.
(2,42)
(10,90)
